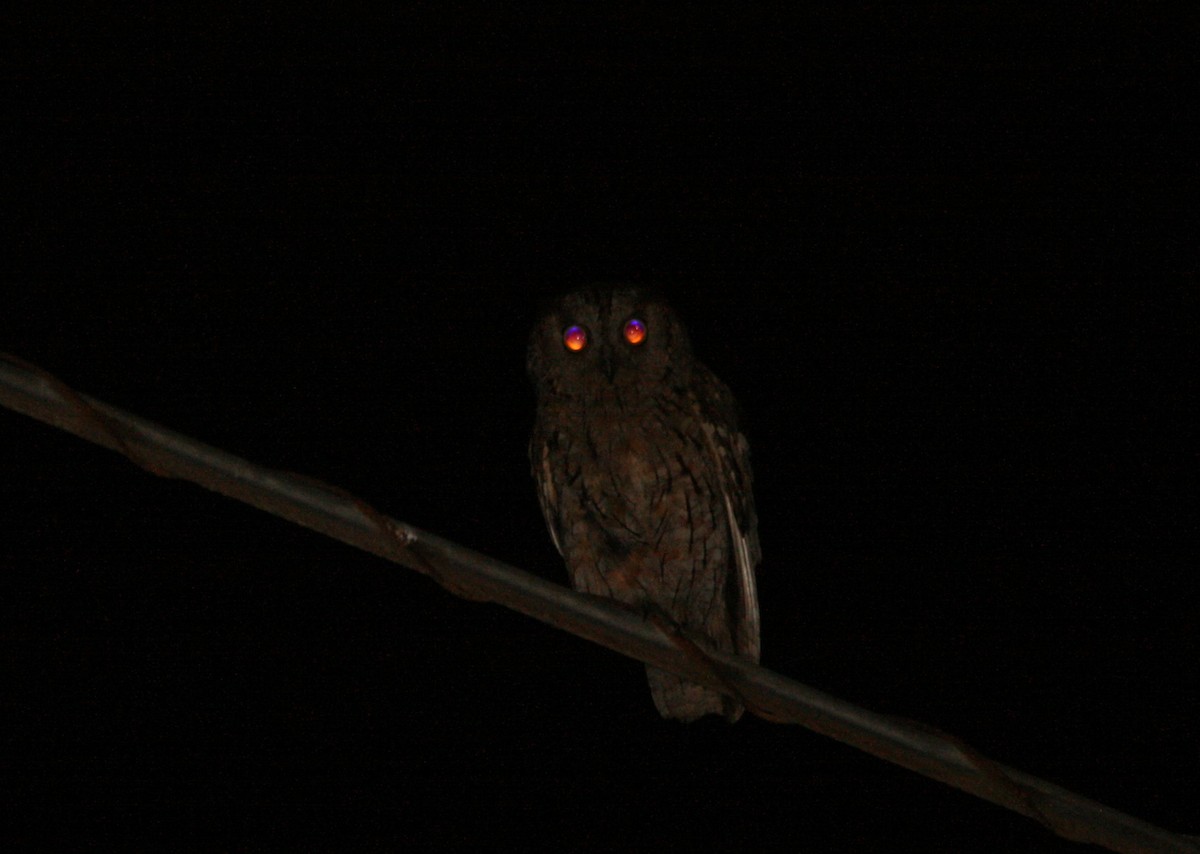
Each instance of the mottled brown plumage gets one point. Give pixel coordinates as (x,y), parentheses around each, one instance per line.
(644,477)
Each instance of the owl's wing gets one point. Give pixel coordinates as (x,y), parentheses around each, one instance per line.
(731,453)
(539,460)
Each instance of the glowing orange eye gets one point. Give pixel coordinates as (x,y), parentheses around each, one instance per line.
(575,338)
(635,331)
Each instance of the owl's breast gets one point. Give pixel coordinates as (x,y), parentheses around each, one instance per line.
(644,476)
(637,462)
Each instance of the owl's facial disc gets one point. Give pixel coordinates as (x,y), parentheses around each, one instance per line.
(576,339)
(599,337)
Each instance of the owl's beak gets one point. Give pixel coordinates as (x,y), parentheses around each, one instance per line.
(608,364)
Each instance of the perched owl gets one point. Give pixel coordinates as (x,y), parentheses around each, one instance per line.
(644,477)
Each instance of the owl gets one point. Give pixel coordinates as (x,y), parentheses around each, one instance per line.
(644,477)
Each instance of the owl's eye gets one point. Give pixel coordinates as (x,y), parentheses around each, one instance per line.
(575,338)
(635,331)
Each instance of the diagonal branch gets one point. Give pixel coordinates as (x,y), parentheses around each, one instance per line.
(29,390)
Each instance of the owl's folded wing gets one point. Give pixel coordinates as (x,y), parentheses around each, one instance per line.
(539,459)
(731,452)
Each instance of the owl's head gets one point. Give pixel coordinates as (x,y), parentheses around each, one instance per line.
(617,336)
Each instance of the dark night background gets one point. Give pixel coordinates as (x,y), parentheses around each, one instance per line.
(946,260)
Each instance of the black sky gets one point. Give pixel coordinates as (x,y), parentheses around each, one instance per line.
(945,260)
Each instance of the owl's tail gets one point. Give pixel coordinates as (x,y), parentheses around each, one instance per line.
(678,698)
